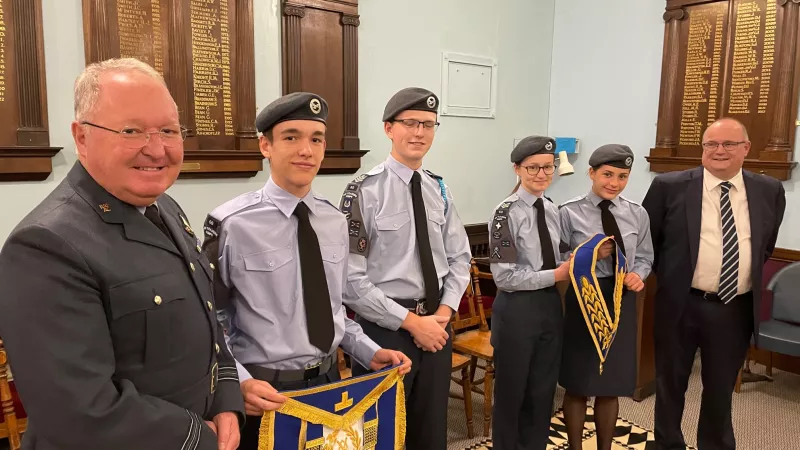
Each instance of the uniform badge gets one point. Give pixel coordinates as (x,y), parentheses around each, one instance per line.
(500,218)
(355,227)
(506,244)
(431,102)
(347,203)
(347,216)
(548,146)
(315,106)
(498,225)
(360,178)
(628,161)
(496,253)
(104,207)
(362,245)
(352,187)
(186,225)
(350,195)
(505,205)
(497,235)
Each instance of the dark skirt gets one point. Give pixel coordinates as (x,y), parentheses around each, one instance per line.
(580,364)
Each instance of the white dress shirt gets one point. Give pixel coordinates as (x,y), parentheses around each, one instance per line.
(709,256)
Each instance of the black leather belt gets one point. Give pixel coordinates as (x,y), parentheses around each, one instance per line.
(712,296)
(273,375)
(418,306)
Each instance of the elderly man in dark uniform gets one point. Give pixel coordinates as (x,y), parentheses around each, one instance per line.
(107,307)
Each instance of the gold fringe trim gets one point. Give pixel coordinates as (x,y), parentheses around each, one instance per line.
(400,416)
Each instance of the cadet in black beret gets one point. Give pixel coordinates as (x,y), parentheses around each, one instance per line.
(408,269)
(523,239)
(411,99)
(614,155)
(295,106)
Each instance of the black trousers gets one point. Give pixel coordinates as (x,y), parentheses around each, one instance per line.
(722,333)
(427,386)
(252,425)
(527,335)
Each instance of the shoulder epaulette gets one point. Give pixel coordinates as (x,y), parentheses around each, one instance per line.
(502,245)
(630,201)
(215,218)
(572,200)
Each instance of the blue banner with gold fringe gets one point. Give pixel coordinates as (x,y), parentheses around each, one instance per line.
(366,412)
(602,327)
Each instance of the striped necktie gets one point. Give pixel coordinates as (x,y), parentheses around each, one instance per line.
(729,274)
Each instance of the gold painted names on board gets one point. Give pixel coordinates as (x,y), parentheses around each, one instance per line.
(746,57)
(139,24)
(701,74)
(768,55)
(211,67)
(2,52)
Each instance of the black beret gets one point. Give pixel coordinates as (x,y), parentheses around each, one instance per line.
(414,99)
(533,145)
(614,155)
(295,106)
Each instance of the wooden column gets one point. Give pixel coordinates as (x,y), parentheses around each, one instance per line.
(32,129)
(292,74)
(244,67)
(101,45)
(666,139)
(350,141)
(178,76)
(779,145)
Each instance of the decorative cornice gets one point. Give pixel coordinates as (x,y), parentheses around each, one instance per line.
(294,10)
(678,14)
(350,20)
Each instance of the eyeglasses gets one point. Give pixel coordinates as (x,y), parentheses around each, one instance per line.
(534,170)
(171,136)
(413,123)
(727,145)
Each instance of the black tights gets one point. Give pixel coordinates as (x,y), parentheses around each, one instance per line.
(606,410)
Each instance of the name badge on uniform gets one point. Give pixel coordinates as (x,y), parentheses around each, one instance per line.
(601,326)
(366,412)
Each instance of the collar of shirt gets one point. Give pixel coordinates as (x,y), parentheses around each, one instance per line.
(285,201)
(143,208)
(527,197)
(401,170)
(710,181)
(596,199)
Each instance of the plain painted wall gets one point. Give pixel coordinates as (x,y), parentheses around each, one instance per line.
(606,76)
(398,47)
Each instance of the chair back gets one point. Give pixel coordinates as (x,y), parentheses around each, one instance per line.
(476,314)
(10,427)
(785,288)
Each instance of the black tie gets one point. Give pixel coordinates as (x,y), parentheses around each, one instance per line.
(548,255)
(424,245)
(317,299)
(610,227)
(151,212)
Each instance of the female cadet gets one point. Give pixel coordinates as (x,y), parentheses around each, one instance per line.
(603,211)
(527,313)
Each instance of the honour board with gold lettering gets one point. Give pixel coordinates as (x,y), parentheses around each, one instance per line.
(729,58)
(204,50)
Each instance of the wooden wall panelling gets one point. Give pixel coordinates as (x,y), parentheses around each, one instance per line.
(25,151)
(735,58)
(320,55)
(205,51)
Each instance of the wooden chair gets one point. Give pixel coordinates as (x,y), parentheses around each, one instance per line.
(472,338)
(461,364)
(10,427)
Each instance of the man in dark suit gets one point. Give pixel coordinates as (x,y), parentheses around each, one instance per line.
(713,227)
(106,307)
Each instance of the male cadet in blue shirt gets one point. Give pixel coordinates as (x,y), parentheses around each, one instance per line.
(409,262)
(281,265)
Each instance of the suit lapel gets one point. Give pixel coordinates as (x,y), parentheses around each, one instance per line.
(694,213)
(754,206)
(179,235)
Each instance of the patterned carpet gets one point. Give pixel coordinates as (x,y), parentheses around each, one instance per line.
(765,416)
(627,435)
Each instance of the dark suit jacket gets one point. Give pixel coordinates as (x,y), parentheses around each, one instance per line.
(674,203)
(111,327)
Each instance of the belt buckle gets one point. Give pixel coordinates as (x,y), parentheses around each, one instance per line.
(214,374)
(421,308)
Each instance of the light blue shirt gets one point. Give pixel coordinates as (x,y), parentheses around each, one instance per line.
(525,274)
(260,265)
(580,220)
(391,268)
